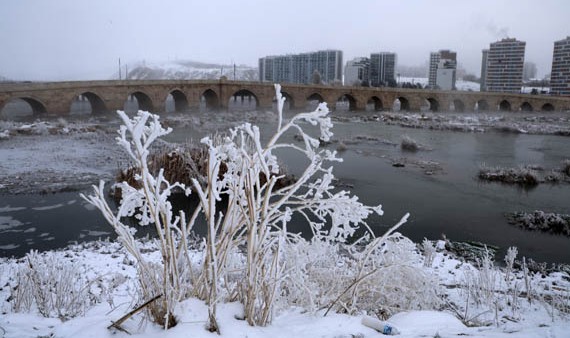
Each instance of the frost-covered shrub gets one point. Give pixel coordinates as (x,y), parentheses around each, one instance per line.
(539,220)
(387,283)
(521,175)
(396,275)
(246,213)
(483,282)
(54,287)
(509,261)
(429,252)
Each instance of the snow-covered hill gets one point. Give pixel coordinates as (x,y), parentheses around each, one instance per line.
(191,70)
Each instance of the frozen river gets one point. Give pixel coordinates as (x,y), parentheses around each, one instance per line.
(437,184)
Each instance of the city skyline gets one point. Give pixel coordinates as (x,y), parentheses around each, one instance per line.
(71,40)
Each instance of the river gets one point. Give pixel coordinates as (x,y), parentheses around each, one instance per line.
(437,185)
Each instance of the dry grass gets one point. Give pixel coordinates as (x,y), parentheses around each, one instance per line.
(183,165)
(522,175)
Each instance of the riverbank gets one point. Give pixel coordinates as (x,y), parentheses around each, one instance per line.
(57,156)
(476,301)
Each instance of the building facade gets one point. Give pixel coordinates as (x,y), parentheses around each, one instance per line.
(356,72)
(504,66)
(529,71)
(448,69)
(560,75)
(484,58)
(302,68)
(382,69)
(445,76)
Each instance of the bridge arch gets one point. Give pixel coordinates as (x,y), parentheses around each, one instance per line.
(433,104)
(22,107)
(209,100)
(175,101)
(289,101)
(458,106)
(345,102)
(547,107)
(138,100)
(243,99)
(313,101)
(526,107)
(87,103)
(374,103)
(504,105)
(482,105)
(401,104)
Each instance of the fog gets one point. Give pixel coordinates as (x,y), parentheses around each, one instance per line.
(79,40)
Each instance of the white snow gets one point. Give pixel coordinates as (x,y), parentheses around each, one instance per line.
(459,84)
(110,265)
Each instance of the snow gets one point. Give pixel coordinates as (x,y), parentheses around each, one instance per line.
(459,84)
(42,158)
(110,263)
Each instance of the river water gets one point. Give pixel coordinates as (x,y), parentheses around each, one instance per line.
(437,186)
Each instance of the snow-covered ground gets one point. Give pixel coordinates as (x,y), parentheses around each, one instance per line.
(48,156)
(109,277)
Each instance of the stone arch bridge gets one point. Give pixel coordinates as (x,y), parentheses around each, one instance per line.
(56,98)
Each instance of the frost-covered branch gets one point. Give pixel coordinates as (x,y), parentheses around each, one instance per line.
(244,211)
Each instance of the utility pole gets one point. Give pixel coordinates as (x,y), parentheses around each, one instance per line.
(126,72)
(234,71)
(119,69)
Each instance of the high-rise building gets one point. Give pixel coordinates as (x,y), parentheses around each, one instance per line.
(301,68)
(446,73)
(448,67)
(382,69)
(560,75)
(356,71)
(505,62)
(529,71)
(485,57)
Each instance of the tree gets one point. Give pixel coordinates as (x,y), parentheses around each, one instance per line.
(471,78)
(316,77)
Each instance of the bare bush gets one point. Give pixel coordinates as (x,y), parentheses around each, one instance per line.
(429,252)
(55,288)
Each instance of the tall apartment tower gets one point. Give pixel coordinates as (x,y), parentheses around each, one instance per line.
(450,66)
(382,69)
(505,62)
(356,71)
(485,57)
(299,68)
(560,76)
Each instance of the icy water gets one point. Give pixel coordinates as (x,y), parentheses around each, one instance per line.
(437,185)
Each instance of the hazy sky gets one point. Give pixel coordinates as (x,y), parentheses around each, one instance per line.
(80,39)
